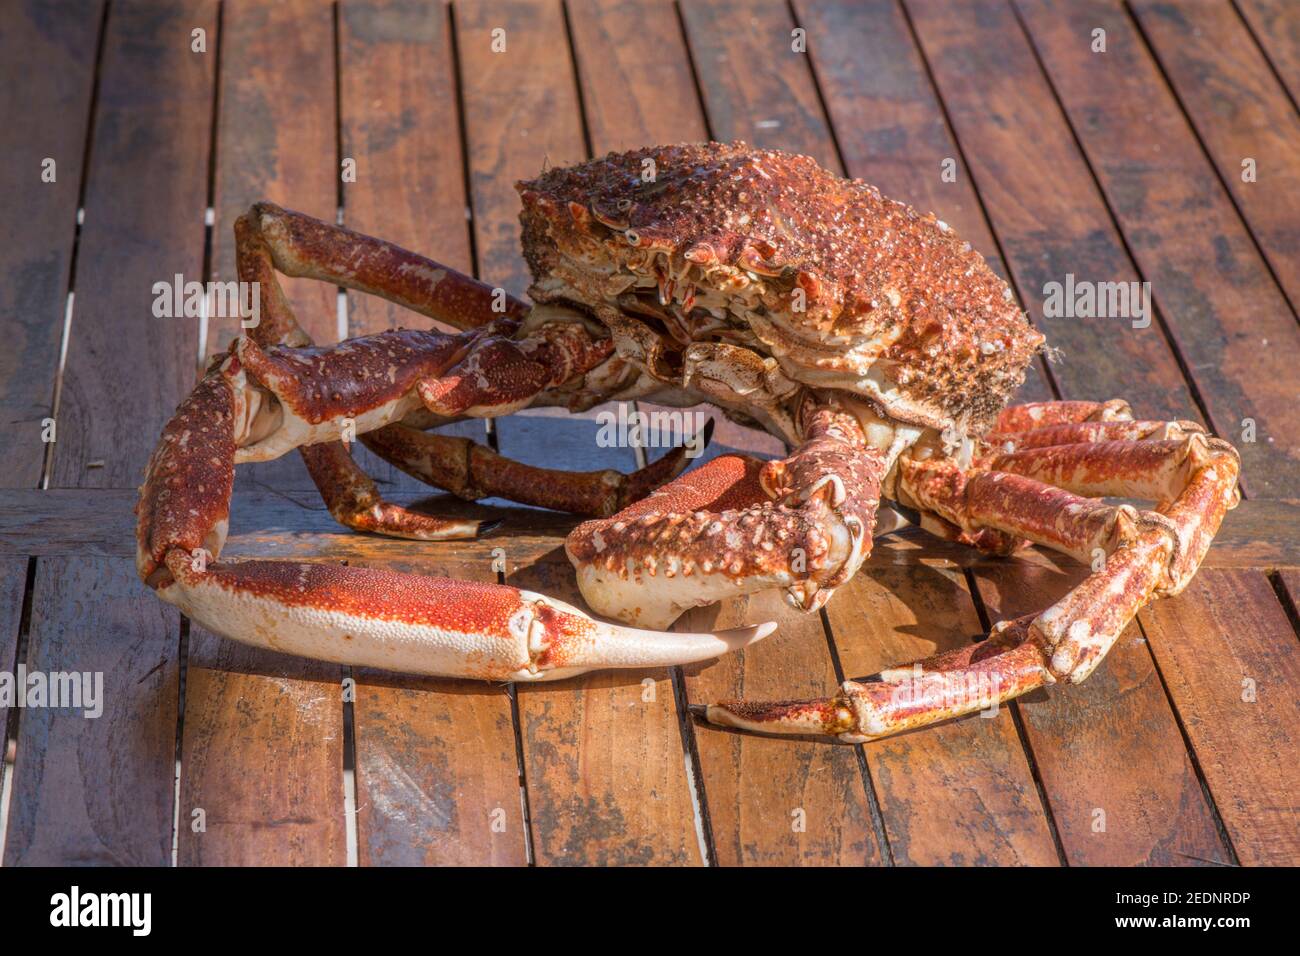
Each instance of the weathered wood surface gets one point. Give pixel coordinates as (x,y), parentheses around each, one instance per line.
(1232,326)
(1241,114)
(1229,657)
(1177,751)
(436,772)
(1117,776)
(43,119)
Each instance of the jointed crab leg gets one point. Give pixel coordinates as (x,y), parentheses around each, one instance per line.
(351,615)
(737,525)
(470,470)
(1147,555)
(269,238)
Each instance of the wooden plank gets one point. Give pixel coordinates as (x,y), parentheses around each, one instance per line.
(961,793)
(1232,325)
(1112,761)
(637,87)
(890,127)
(756,87)
(435,759)
(1276,28)
(13,585)
(602,753)
(97,790)
(1258,534)
(1043,204)
(52,47)
(781,801)
(1240,111)
(1229,657)
(146,190)
(261,758)
(276,139)
(521,115)
(607,779)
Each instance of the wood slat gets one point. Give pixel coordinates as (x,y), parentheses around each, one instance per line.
(1112,761)
(890,127)
(262,753)
(437,775)
(782,801)
(1240,111)
(1233,327)
(261,758)
(437,772)
(1043,203)
(604,766)
(146,190)
(1228,655)
(52,47)
(607,779)
(97,790)
(1276,27)
(961,793)
(276,139)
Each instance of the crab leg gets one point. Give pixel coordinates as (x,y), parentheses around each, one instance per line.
(737,525)
(350,615)
(1150,554)
(270,238)
(350,494)
(470,470)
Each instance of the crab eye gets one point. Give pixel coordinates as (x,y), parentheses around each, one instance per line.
(632,238)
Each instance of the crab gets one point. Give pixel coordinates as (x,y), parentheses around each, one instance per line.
(870,338)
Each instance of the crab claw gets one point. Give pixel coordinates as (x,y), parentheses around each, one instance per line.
(421,625)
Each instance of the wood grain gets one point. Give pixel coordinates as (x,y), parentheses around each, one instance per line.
(961,793)
(1233,327)
(1240,111)
(1258,534)
(1229,656)
(1116,773)
(52,46)
(606,772)
(1275,25)
(1043,204)
(97,790)
(261,758)
(777,801)
(262,754)
(146,189)
(276,139)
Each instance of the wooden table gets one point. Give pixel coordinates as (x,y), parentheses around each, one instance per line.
(1123,165)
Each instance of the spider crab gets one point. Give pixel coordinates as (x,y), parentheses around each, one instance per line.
(870,338)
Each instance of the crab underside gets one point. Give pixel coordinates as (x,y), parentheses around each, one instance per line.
(872,340)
